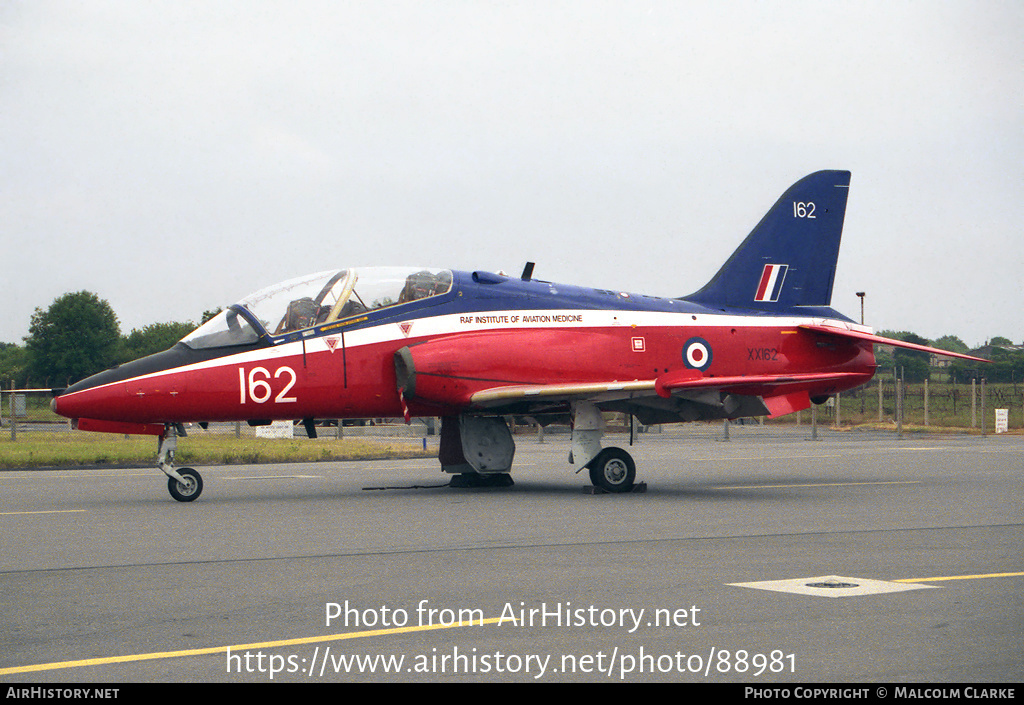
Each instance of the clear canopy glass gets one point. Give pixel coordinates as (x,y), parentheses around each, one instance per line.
(316,299)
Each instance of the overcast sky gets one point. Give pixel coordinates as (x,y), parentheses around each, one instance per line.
(173,157)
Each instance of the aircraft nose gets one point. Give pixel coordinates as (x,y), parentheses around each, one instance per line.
(96,395)
(102,394)
(58,405)
(64,405)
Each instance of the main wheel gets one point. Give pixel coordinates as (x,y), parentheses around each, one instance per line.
(613,470)
(190,489)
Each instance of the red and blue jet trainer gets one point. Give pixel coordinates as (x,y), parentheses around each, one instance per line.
(475,347)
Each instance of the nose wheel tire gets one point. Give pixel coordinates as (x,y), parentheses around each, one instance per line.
(188,490)
(613,470)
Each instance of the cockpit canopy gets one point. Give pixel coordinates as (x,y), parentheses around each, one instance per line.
(317,299)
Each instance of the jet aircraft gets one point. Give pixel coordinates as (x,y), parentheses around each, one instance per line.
(475,348)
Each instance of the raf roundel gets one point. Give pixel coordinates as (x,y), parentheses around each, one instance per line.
(697,354)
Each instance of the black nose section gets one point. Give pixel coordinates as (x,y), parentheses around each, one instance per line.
(146,365)
(178,356)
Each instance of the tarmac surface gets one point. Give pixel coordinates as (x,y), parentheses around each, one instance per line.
(766,559)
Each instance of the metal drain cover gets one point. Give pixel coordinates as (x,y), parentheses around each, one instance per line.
(833,586)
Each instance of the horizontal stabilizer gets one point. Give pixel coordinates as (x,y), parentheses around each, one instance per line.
(879,340)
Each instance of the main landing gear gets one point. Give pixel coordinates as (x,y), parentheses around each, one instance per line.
(478,451)
(184,484)
(611,469)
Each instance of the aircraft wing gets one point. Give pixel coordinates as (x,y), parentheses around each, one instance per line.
(780,394)
(879,340)
(564,392)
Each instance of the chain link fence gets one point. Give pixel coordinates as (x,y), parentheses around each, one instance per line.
(26,416)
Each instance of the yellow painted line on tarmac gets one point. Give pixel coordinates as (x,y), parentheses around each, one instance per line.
(958,577)
(128,658)
(47,511)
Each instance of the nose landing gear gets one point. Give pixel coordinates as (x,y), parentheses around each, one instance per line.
(188,490)
(184,484)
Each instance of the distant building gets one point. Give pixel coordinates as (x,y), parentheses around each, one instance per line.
(986,351)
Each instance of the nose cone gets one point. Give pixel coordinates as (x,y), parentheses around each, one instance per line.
(106,395)
(97,401)
(102,408)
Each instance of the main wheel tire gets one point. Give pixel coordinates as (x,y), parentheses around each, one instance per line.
(190,489)
(613,470)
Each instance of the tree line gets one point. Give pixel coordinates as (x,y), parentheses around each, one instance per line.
(79,335)
(1006,365)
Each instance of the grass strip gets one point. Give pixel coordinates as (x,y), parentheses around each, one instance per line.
(87,449)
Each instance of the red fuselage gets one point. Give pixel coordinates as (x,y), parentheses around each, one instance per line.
(348,369)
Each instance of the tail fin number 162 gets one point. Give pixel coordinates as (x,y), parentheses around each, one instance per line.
(803,210)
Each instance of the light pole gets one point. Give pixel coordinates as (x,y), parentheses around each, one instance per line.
(861,294)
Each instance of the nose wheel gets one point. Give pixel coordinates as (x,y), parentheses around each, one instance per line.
(188,488)
(184,484)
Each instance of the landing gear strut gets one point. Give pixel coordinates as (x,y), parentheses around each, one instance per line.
(184,484)
(611,469)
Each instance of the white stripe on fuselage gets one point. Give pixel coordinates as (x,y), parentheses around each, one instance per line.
(482,321)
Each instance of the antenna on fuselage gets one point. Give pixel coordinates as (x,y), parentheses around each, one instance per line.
(527,272)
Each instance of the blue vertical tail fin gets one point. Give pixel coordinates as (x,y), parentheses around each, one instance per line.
(789,259)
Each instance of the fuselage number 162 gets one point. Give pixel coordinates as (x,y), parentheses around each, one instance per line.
(256,385)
